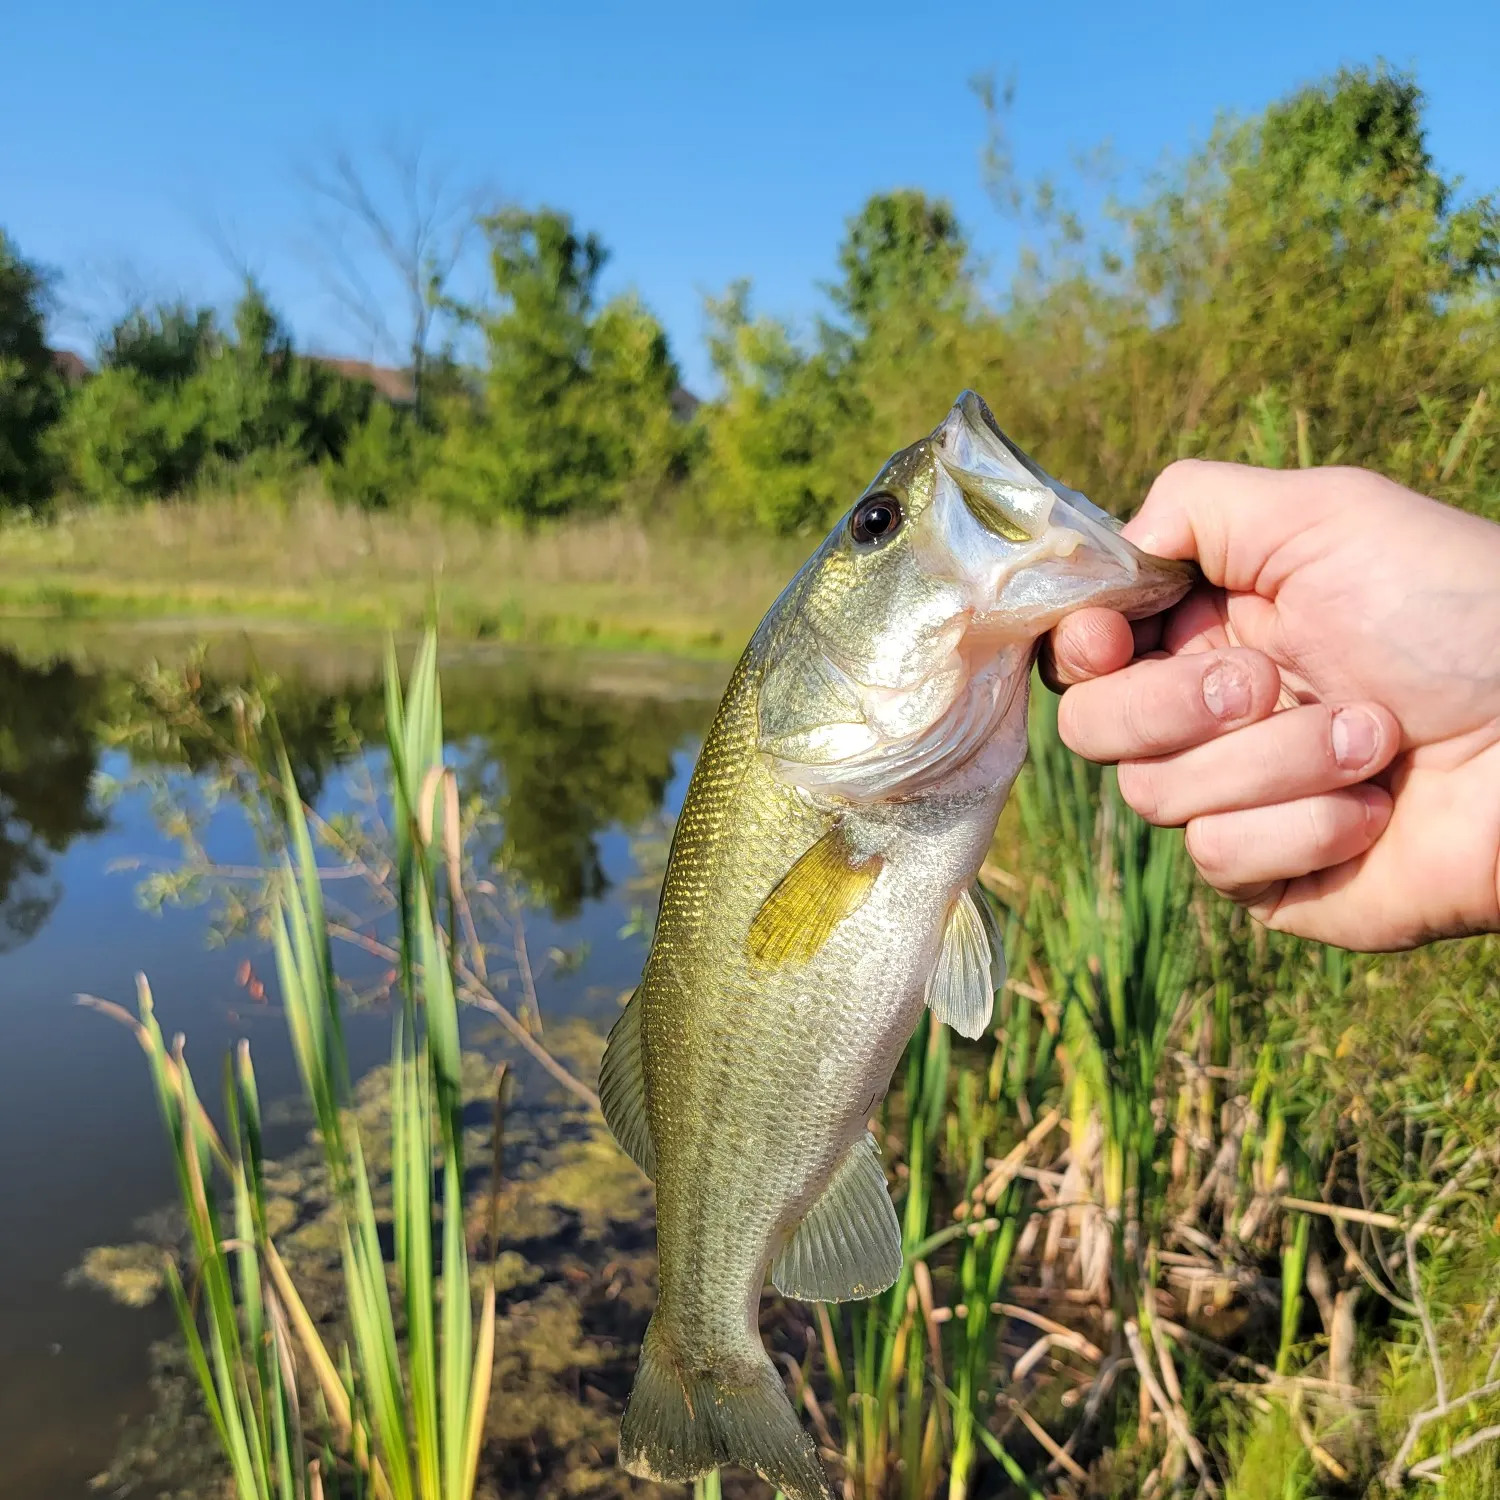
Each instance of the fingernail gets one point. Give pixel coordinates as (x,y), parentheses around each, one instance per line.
(1226,690)
(1377,809)
(1355,735)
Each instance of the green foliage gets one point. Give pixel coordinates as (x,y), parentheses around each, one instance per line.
(794,427)
(179,403)
(576,411)
(164,346)
(405,1419)
(383,461)
(1312,258)
(30,391)
(1270,1461)
(903,251)
(771,433)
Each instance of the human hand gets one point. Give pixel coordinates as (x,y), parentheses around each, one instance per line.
(1323,715)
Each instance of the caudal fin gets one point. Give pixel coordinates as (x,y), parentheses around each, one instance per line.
(678,1425)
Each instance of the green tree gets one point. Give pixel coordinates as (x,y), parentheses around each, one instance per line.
(30,390)
(771,432)
(178,402)
(799,427)
(576,411)
(902,253)
(164,345)
(1315,255)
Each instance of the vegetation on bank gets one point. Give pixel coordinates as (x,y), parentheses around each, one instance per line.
(606,581)
(1306,288)
(1210,1210)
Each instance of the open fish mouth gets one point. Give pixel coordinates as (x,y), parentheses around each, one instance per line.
(1038,548)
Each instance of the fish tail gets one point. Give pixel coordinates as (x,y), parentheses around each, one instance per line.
(679,1424)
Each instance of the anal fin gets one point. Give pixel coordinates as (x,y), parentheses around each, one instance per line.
(622,1088)
(970,967)
(849,1244)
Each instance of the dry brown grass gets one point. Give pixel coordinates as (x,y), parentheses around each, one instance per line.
(608,581)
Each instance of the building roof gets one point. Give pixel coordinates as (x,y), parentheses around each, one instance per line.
(395,385)
(73,368)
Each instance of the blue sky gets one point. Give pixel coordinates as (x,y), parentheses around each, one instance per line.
(149,147)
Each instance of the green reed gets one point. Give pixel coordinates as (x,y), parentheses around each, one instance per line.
(407,1414)
(1112,915)
(912,1371)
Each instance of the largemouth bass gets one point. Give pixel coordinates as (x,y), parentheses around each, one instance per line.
(819,893)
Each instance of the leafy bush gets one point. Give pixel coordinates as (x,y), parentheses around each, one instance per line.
(179,403)
(383,460)
(576,405)
(1312,260)
(30,391)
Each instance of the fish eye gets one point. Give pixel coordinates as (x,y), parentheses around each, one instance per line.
(875,518)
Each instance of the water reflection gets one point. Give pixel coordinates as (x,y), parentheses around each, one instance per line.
(574,754)
(560,764)
(568,767)
(48,756)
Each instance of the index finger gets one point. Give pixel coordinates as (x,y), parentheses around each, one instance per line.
(1163,704)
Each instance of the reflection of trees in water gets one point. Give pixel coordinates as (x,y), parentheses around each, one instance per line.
(560,765)
(568,766)
(188,720)
(48,753)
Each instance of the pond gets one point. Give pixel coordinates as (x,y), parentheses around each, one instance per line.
(581,757)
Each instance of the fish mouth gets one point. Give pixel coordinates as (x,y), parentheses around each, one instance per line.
(1036,548)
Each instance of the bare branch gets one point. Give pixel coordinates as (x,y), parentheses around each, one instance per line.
(1431,1468)
(388,239)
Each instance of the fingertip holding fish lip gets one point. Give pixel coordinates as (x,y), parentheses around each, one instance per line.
(1354,735)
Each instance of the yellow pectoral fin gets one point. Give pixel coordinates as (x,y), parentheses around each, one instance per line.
(829,883)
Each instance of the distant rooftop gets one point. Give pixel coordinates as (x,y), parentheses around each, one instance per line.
(73,368)
(395,385)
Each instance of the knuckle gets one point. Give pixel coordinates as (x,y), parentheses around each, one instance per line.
(1205,847)
(1140,786)
(1327,821)
(1182,474)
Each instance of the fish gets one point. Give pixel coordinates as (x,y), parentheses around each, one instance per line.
(820,892)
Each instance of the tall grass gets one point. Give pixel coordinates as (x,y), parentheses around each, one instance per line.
(404,1400)
(1119,1211)
(611,580)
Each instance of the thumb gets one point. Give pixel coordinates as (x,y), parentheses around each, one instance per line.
(1228,518)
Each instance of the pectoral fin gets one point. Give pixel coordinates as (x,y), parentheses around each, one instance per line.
(829,883)
(970,967)
(622,1088)
(849,1244)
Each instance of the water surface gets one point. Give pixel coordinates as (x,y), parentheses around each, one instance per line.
(579,755)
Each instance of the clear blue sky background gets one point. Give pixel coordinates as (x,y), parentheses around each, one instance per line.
(146,147)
